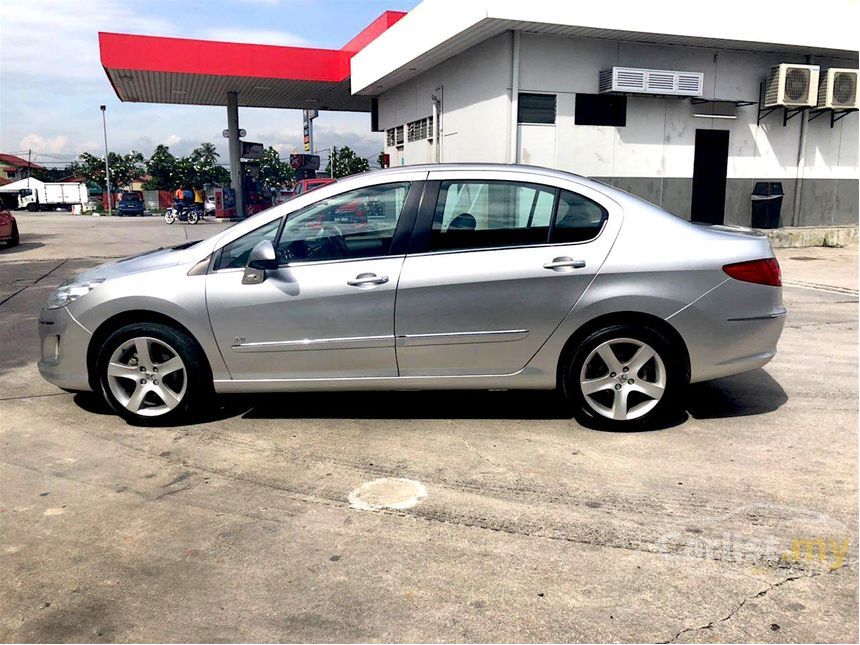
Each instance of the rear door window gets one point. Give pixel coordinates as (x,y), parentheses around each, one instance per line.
(491,214)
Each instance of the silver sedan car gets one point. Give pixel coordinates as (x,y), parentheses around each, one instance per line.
(426,277)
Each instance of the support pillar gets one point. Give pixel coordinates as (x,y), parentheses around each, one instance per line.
(235,148)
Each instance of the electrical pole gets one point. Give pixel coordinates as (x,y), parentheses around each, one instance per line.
(333,162)
(107,164)
(29,165)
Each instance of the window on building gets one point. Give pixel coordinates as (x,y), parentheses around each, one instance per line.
(398,135)
(389,136)
(600,109)
(420,129)
(473,215)
(577,219)
(10,174)
(536,108)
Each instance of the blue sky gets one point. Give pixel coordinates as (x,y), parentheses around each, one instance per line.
(51,81)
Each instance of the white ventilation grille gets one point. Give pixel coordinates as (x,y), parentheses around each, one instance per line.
(838,89)
(635,80)
(791,86)
(420,129)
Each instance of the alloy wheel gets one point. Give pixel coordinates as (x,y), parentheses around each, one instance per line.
(623,379)
(147,376)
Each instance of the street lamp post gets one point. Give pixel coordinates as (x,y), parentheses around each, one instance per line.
(107,164)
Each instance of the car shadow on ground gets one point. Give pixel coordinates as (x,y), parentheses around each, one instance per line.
(747,394)
(20,248)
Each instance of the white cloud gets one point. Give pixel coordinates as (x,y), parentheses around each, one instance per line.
(52,145)
(53,84)
(71,51)
(252,35)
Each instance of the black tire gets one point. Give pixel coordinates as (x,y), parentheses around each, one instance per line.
(197,374)
(32,207)
(673,365)
(16,238)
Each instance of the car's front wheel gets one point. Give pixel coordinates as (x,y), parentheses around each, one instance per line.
(623,377)
(153,374)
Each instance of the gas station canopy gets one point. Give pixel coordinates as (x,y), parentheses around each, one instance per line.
(154,69)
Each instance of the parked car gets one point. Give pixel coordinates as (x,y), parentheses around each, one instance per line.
(130,203)
(467,276)
(9,229)
(209,206)
(307,185)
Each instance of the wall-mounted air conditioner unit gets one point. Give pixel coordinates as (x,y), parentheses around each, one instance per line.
(791,85)
(634,80)
(838,89)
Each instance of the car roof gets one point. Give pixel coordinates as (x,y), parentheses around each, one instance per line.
(477,167)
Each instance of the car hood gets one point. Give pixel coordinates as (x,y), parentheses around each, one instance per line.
(186,252)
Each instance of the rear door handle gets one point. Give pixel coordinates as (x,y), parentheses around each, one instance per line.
(562,263)
(367,280)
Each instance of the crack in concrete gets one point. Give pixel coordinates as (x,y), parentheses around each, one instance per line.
(760,594)
(475,450)
(35,282)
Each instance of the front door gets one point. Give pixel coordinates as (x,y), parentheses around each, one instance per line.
(496,277)
(328,310)
(709,176)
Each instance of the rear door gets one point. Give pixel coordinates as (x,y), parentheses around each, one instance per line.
(498,260)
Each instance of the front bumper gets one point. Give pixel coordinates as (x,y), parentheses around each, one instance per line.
(64,343)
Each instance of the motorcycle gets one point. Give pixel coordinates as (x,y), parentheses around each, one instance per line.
(192,213)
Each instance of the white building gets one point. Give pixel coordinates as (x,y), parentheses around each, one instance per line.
(513,81)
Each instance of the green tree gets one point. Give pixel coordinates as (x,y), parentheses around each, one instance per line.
(123,168)
(346,163)
(161,168)
(275,172)
(207,153)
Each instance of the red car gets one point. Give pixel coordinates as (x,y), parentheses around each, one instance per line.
(307,185)
(8,229)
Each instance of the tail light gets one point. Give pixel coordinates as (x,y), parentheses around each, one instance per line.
(756,271)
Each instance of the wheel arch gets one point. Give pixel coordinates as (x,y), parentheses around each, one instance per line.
(110,325)
(627,318)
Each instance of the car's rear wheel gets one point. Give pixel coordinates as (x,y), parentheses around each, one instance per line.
(16,238)
(623,377)
(153,374)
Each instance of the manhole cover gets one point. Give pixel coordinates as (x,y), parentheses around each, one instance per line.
(391,492)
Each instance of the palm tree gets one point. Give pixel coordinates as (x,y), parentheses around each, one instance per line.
(207,154)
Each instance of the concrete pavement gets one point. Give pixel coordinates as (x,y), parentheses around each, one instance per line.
(533,528)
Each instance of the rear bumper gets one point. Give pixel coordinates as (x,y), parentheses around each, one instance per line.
(64,343)
(733,329)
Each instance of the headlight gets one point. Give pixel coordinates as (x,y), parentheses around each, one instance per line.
(68,293)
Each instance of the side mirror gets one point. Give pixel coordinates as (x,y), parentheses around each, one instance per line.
(262,258)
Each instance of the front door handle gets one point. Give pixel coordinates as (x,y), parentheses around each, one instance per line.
(562,263)
(367,280)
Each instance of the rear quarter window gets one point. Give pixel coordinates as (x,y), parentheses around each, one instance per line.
(577,219)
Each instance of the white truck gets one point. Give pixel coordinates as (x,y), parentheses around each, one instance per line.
(48,196)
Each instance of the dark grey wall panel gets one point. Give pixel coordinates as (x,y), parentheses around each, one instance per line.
(818,202)
(825,202)
(677,196)
(847,207)
(738,193)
